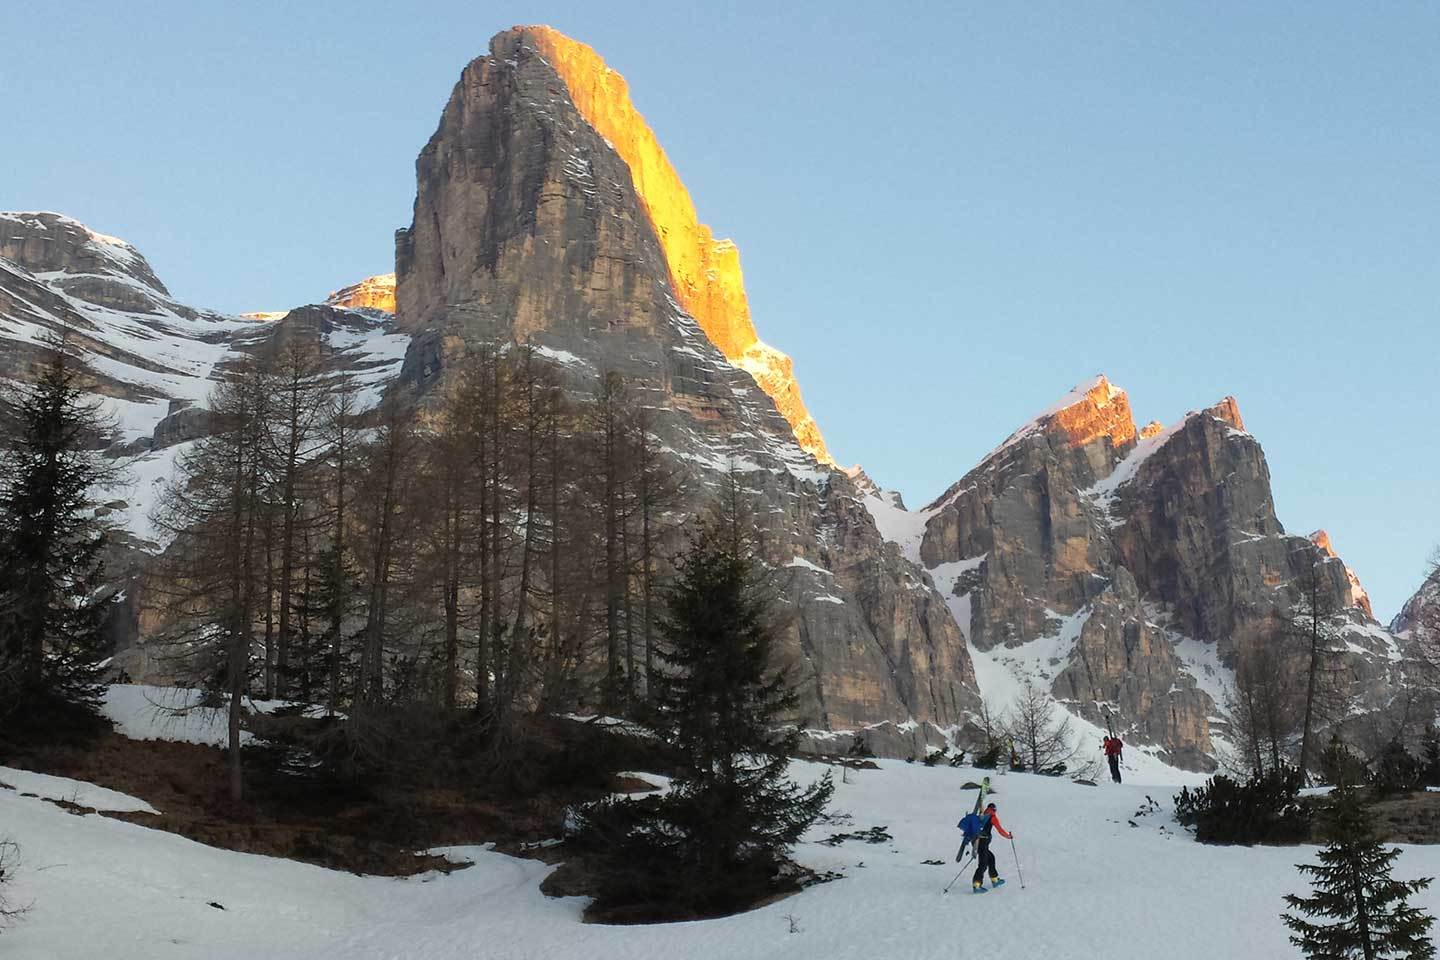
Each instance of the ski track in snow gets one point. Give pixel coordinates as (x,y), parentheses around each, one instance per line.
(1094,886)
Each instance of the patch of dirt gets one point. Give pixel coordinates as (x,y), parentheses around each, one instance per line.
(621,783)
(360,831)
(1407,818)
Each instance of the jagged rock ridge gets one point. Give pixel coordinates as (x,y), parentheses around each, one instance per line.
(1419,620)
(1125,570)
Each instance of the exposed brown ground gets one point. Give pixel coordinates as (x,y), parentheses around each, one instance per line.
(364,831)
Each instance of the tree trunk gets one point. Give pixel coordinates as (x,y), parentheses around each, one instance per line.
(612,567)
(337,610)
(269,607)
(1310,696)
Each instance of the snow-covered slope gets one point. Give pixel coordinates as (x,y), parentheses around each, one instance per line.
(1100,879)
(149,354)
(152,361)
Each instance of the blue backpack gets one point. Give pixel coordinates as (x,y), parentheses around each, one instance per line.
(971,825)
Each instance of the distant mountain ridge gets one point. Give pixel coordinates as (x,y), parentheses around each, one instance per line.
(1126,569)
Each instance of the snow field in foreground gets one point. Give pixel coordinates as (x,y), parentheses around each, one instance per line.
(1095,887)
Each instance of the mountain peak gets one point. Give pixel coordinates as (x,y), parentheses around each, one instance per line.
(1093,409)
(1229,411)
(44,242)
(373,293)
(704,271)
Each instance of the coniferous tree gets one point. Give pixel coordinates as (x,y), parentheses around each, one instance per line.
(722,702)
(52,602)
(1361,911)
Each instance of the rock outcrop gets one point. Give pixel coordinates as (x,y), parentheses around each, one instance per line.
(1126,569)
(546,213)
(1358,597)
(702,273)
(1419,620)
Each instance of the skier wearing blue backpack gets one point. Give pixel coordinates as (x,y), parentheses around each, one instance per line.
(990,818)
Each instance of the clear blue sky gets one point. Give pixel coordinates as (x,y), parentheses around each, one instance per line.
(948,213)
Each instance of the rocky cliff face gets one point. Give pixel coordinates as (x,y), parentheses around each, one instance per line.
(499,96)
(1126,569)
(1419,620)
(147,355)
(545,212)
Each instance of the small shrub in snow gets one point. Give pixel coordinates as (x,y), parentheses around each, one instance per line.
(1396,771)
(1264,809)
(1339,764)
(9,861)
(990,757)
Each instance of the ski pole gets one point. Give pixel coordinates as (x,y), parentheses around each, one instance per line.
(961,873)
(1018,872)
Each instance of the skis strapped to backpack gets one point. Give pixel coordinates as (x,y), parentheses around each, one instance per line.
(980,797)
(971,824)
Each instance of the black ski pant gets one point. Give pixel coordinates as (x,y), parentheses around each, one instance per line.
(985,858)
(1115,768)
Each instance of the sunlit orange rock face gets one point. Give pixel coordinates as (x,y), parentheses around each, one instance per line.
(374,293)
(1104,411)
(1229,411)
(1150,429)
(704,272)
(1358,596)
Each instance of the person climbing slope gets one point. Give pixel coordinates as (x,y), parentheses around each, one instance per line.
(983,856)
(1113,746)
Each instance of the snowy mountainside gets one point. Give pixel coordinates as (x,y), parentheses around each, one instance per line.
(149,355)
(152,361)
(1104,871)
(1124,570)
(1419,620)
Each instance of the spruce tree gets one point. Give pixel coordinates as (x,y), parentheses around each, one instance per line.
(720,699)
(53,604)
(1362,911)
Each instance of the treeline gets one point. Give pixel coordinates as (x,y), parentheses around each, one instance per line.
(494,548)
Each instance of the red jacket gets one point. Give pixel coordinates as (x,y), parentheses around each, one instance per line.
(1113,746)
(995,822)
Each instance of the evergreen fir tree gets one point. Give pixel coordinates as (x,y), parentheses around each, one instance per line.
(722,702)
(53,604)
(1362,911)
(716,842)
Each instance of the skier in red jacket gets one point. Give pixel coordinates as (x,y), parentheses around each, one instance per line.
(983,855)
(1113,746)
